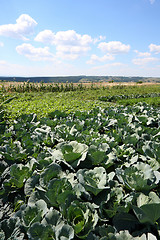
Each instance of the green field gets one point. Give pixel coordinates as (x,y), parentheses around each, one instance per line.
(44,99)
(80,163)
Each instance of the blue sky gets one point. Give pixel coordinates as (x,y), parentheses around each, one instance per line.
(80,37)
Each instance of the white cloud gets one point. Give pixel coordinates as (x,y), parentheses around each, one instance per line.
(24,26)
(110,69)
(94,58)
(69,38)
(1,44)
(99,39)
(71,52)
(46,36)
(154,48)
(114,47)
(2,62)
(120,69)
(115,64)
(142,54)
(69,44)
(34,69)
(143,61)
(35,54)
(62,69)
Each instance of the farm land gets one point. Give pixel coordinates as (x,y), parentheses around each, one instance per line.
(79,161)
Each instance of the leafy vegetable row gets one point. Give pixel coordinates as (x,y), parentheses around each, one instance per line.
(114,98)
(86,175)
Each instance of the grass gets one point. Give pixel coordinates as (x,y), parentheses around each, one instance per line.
(71,98)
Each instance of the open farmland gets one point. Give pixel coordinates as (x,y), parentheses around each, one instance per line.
(9,84)
(41,98)
(80,163)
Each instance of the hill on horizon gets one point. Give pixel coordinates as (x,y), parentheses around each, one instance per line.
(80,79)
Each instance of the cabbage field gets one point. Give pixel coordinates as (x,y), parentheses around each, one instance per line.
(90,174)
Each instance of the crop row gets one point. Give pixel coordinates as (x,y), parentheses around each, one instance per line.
(114,98)
(85,175)
(43,87)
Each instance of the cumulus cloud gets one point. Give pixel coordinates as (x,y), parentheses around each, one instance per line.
(142,54)
(99,39)
(154,48)
(69,44)
(46,36)
(143,61)
(69,37)
(35,54)
(114,47)
(71,52)
(24,26)
(94,58)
